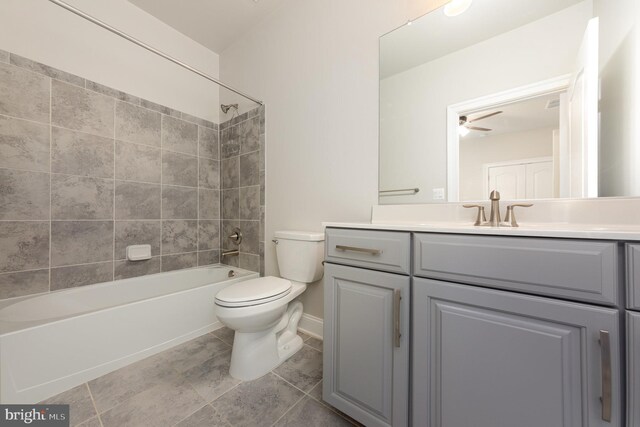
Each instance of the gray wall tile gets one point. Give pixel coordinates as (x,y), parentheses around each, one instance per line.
(179,202)
(179,236)
(80,109)
(179,135)
(4,56)
(137,162)
(249,262)
(208,204)
(81,275)
(208,257)
(76,197)
(137,201)
(79,153)
(180,261)
(127,269)
(24,144)
(160,108)
(229,142)
(208,143)
(24,283)
(230,172)
(24,195)
(263,183)
(250,202)
(199,121)
(137,124)
(231,204)
(209,174)
(46,70)
(24,245)
(105,90)
(249,169)
(250,239)
(137,233)
(179,169)
(261,159)
(81,242)
(249,135)
(208,235)
(24,94)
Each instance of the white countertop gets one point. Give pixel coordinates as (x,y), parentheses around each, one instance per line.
(575,231)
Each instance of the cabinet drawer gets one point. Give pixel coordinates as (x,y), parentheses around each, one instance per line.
(572,269)
(633,276)
(378,250)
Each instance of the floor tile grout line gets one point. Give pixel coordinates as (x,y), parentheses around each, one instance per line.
(280,377)
(192,413)
(95,407)
(289,410)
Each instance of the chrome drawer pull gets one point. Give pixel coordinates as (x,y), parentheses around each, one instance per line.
(605,361)
(397,296)
(355,249)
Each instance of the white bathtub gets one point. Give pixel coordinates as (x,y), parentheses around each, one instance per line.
(52,342)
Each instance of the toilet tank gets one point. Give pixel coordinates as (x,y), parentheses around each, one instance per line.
(300,255)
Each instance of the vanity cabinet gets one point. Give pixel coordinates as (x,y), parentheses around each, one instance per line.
(366,326)
(633,277)
(503,334)
(633,369)
(485,358)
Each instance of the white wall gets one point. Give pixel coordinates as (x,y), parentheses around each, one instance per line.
(44,32)
(315,63)
(476,152)
(620,97)
(414,102)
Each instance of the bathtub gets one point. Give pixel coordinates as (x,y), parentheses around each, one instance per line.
(52,342)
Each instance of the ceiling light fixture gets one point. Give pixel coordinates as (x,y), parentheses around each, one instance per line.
(463,131)
(457,7)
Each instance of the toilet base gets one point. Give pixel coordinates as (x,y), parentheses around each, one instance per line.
(255,354)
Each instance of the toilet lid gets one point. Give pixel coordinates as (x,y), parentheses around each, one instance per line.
(254,291)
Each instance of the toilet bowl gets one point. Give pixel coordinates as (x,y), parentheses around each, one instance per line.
(262,311)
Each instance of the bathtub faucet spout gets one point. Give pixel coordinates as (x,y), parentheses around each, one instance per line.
(233,252)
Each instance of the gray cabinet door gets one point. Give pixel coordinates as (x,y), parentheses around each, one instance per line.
(490,358)
(633,369)
(366,368)
(633,277)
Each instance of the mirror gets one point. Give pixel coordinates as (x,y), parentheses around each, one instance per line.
(534,98)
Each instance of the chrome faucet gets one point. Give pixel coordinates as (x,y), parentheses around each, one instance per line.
(494,216)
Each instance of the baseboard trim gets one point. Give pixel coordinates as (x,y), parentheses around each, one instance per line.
(311,325)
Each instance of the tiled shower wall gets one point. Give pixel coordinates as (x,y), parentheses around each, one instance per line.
(86,170)
(243,187)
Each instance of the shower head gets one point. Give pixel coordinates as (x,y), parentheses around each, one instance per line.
(226,108)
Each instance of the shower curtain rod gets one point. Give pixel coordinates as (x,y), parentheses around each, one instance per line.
(149,48)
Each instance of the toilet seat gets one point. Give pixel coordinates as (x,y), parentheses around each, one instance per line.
(253,292)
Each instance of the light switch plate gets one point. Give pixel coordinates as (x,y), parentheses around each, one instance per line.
(438,194)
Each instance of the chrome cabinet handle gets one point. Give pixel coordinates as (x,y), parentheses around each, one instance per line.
(355,249)
(397,297)
(605,361)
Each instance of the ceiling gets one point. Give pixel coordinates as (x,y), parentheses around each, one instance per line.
(435,35)
(215,24)
(517,117)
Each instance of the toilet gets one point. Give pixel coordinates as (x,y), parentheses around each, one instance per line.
(260,310)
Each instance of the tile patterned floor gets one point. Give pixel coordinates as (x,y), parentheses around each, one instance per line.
(189,386)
